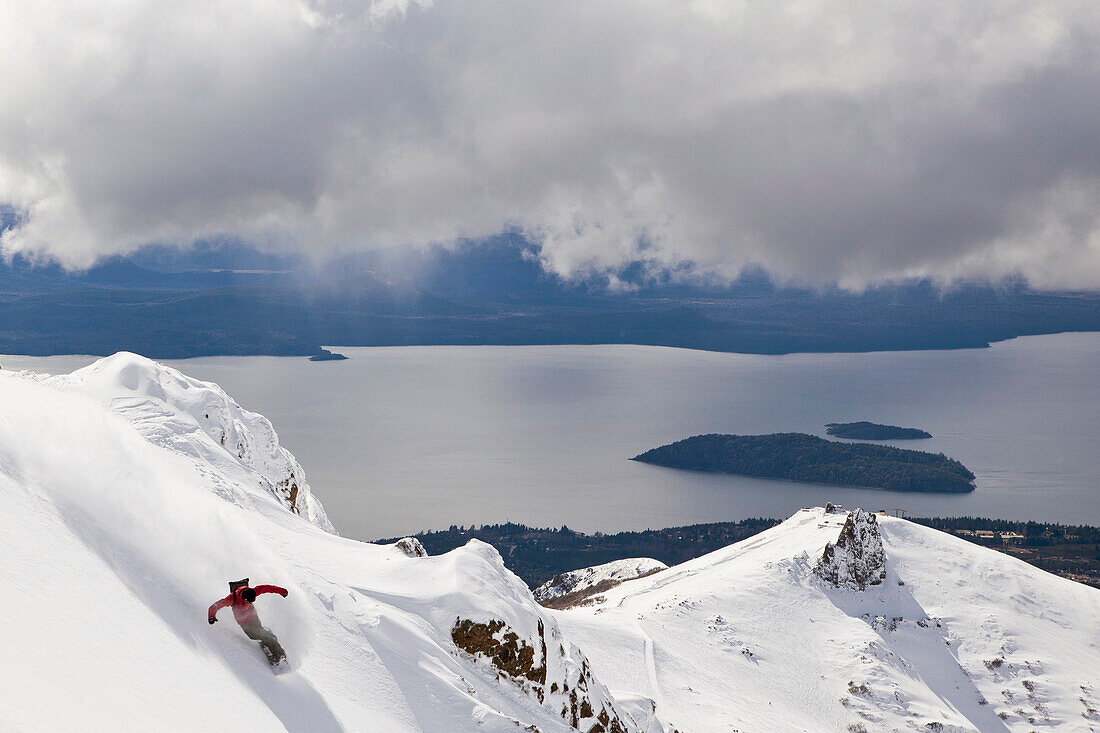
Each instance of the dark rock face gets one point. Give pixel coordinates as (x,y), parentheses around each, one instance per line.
(856,560)
(508,653)
(571,697)
(288,490)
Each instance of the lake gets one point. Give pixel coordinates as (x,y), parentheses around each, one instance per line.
(396,440)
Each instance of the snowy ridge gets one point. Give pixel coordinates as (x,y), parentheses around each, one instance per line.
(586,581)
(197,419)
(125,518)
(957,637)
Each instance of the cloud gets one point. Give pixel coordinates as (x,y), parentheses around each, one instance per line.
(845,140)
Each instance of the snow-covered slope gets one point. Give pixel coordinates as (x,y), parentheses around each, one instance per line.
(751,638)
(125,514)
(576,585)
(199,420)
(132,493)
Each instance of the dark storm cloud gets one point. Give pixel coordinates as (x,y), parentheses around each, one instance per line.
(823,140)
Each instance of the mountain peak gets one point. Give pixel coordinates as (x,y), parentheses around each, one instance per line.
(952,636)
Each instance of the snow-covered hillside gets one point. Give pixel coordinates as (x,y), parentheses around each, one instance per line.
(132,494)
(956,637)
(198,419)
(126,512)
(574,586)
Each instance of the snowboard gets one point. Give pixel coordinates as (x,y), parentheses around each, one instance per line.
(278,666)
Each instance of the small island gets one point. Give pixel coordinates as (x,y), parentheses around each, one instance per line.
(327,355)
(873,431)
(801,457)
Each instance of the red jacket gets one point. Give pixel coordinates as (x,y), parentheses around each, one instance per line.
(242,609)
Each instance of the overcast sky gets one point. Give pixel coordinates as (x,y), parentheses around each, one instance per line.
(844,140)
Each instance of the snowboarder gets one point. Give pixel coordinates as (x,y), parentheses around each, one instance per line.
(240,598)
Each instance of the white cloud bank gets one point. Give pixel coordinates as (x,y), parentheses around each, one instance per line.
(822,139)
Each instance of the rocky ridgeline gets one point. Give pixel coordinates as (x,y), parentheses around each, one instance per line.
(856,560)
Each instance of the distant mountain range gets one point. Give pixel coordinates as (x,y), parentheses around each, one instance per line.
(228,298)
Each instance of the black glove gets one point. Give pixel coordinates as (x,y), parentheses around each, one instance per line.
(212,620)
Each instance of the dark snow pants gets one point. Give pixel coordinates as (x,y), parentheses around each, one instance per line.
(255,630)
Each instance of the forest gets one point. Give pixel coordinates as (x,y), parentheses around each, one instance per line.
(536,555)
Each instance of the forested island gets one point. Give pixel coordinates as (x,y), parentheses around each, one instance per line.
(864,430)
(326,355)
(801,457)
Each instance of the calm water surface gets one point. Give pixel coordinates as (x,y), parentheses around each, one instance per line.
(396,440)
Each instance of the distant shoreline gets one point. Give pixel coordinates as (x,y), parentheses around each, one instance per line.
(311,351)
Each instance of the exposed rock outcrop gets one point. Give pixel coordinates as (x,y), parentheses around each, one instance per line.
(411,546)
(856,560)
(548,673)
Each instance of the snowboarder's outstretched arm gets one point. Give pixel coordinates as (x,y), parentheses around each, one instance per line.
(212,614)
(270,589)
